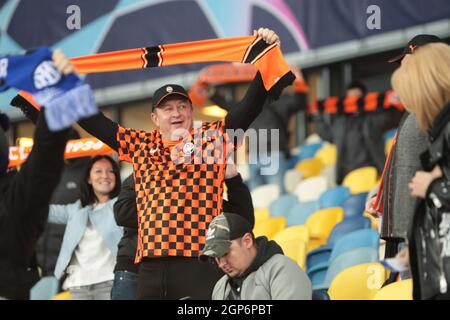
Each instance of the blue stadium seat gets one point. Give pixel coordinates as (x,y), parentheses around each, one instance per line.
(282,205)
(334,197)
(307,151)
(347,260)
(355,205)
(300,212)
(322,254)
(368,238)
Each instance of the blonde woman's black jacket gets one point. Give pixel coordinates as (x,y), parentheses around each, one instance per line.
(24,199)
(430,233)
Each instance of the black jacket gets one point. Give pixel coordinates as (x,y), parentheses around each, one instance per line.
(125,213)
(24,200)
(358,138)
(429,237)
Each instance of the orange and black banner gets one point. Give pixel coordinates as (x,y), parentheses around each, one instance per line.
(373,101)
(78,148)
(267,58)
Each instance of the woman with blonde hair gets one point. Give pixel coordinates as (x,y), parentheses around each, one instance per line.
(423,85)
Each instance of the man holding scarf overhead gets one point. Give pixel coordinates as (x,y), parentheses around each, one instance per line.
(179,168)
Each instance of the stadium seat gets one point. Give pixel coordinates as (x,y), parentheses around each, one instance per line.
(261,214)
(291,178)
(269,227)
(366,238)
(329,173)
(360,282)
(328,154)
(334,197)
(311,189)
(294,249)
(320,224)
(355,205)
(374,221)
(262,196)
(282,205)
(65,295)
(308,151)
(300,233)
(313,138)
(300,212)
(323,253)
(310,167)
(401,290)
(347,260)
(44,289)
(388,145)
(361,180)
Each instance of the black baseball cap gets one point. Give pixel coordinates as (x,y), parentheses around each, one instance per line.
(221,231)
(168,90)
(417,41)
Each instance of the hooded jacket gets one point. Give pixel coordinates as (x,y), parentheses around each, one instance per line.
(271,276)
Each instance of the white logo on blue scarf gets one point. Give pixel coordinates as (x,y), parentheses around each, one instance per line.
(46,75)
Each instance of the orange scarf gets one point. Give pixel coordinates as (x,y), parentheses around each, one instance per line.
(268,59)
(373,101)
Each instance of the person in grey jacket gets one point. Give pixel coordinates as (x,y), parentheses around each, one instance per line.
(255,269)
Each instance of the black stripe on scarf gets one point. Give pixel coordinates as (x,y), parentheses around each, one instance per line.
(152,56)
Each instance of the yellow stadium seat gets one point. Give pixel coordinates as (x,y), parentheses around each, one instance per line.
(328,154)
(65,295)
(269,227)
(296,250)
(320,224)
(360,282)
(387,146)
(361,180)
(310,167)
(401,290)
(261,214)
(293,233)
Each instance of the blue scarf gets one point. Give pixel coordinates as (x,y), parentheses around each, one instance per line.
(67,99)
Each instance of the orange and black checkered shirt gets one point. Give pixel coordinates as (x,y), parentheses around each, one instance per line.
(178,190)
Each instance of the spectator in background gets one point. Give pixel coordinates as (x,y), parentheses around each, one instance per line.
(397,204)
(24,200)
(423,85)
(89,249)
(359,136)
(274,116)
(125,212)
(255,269)
(66,192)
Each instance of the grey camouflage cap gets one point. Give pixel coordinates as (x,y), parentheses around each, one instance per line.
(222,230)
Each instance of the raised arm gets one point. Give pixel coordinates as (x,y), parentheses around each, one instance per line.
(31,189)
(243,113)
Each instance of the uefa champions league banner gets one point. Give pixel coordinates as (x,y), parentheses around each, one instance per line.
(82,27)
